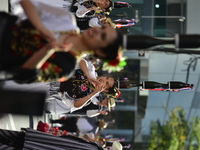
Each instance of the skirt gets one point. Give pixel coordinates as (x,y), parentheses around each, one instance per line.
(36,140)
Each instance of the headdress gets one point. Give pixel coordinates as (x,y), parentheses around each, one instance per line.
(114,60)
(114,65)
(110,22)
(117,93)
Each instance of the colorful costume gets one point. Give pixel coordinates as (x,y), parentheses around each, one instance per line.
(19,41)
(69,91)
(77,87)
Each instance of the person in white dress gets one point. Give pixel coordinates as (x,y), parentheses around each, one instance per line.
(58,28)
(63,103)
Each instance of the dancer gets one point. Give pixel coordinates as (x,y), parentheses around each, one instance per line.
(78,88)
(78,92)
(28,57)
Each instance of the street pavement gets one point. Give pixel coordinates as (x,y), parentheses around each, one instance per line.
(16,122)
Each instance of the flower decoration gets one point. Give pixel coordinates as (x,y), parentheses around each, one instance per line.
(45,65)
(126,79)
(83,87)
(117,93)
(114,65)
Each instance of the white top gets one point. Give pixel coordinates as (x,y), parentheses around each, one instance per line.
(53,17)
(92,113)
(94,22)
(83,126)
(90,67)
(81,11)
(56,106)
(60,4)
(69,101)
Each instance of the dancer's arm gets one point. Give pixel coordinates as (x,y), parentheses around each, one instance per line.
(82,101)
(95,112)
(38,58)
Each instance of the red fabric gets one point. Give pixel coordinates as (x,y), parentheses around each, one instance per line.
(63,118)
(44,127)
(114,62)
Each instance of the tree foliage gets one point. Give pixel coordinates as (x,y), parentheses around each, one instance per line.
(176,133)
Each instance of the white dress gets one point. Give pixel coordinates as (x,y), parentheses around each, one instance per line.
(83,126)
(90,67)
(63,103)
(61,4)
(94,22)
(53,18)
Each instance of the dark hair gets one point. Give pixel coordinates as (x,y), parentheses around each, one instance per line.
(109,8)
(111,90)
(91,57)
(111,51)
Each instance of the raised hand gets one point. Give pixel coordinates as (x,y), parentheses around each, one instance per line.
(102,112)
(99,88)
(93,81)
(46,34)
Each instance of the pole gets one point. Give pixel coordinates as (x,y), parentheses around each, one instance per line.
(138,42)
(173,50)
(178,17)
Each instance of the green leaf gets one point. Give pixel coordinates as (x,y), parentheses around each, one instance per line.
(122,63)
